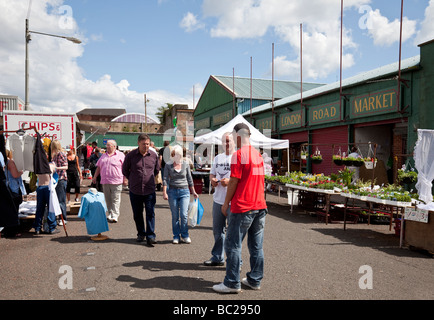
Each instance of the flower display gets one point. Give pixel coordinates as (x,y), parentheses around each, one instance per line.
(407,176)
(342,183)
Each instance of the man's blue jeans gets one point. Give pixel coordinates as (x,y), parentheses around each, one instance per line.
(219,230)
(178,202)
(138,202)
(43,201)
(252,224)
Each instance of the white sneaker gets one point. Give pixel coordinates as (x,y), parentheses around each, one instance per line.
(175,241)
(221,288)
(246,283)
(186,240)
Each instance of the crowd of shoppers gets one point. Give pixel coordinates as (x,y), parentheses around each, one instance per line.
(237,176)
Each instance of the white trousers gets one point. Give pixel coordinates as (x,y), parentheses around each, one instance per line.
(112,194)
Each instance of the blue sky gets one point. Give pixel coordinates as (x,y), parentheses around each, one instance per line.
(162,48)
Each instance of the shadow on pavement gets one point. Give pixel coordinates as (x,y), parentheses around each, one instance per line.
(171,283)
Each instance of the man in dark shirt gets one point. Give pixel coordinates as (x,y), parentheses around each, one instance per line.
(140,167)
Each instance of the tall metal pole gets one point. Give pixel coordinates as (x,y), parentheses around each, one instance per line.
(26,104)
(251,94)
(398,95)
(28,39)
(340,58)
(146,117)
(233,90)
(301,74)
(272,88)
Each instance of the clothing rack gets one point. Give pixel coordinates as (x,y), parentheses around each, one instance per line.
(20,130)
(44,135)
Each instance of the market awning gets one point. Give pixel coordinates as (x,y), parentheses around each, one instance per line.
(257,139)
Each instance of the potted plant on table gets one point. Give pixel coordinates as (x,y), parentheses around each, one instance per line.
(358,162)
(337,159)
(316,158)
(347,161)
(370,163)
(407,176)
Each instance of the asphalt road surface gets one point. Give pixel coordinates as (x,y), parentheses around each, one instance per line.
(305,259)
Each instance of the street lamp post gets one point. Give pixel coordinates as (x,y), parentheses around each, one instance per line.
(28,39)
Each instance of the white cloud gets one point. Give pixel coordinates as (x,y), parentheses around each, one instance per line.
(245,19)
(426,32)
(56,81)
(385,32)
(190,23)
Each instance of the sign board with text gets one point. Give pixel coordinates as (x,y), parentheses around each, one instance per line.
(413,214)
(374,103)
(60,127)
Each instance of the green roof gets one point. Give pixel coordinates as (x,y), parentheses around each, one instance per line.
(262,88)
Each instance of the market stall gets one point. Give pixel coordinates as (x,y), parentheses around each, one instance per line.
(419,221)
(257,139)
(31,153)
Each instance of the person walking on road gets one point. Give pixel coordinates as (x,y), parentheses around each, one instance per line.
(140,168)
(177,177)
(109,166)
(73,173)
(219,175)
(58,156)
(245,193)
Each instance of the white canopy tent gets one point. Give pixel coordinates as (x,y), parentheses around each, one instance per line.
(257,139)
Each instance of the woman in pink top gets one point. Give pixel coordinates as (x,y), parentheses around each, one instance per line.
(109,166)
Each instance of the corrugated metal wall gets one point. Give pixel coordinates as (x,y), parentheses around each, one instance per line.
(325,138)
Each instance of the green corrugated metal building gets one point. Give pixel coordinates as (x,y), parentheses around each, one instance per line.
(125,140)
(224,97)
(373,107)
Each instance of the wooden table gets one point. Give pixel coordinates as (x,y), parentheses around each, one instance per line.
(399,205)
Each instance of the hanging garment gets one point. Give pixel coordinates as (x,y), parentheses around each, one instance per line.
(93,210)
(22,151)
(423,159)
(29,148)
(53,205)
(16,147)
(40,160)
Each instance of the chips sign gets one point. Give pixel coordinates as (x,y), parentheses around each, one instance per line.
(54,126)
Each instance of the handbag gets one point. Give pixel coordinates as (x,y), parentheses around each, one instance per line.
(195,212)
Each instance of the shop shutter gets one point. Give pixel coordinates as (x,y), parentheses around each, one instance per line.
(296,137)
(325,138)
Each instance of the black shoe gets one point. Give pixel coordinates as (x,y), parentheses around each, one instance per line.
(152,241)
(54,231)
(140,238)
(210,263)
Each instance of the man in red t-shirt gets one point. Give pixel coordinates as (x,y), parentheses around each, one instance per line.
(247,215)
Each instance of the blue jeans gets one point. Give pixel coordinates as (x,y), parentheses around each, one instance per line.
(43,201)
(178,202)
(61,195)
(219,230)
(252,224)
(138,202)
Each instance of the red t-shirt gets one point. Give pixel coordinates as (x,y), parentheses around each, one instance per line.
(248,166)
